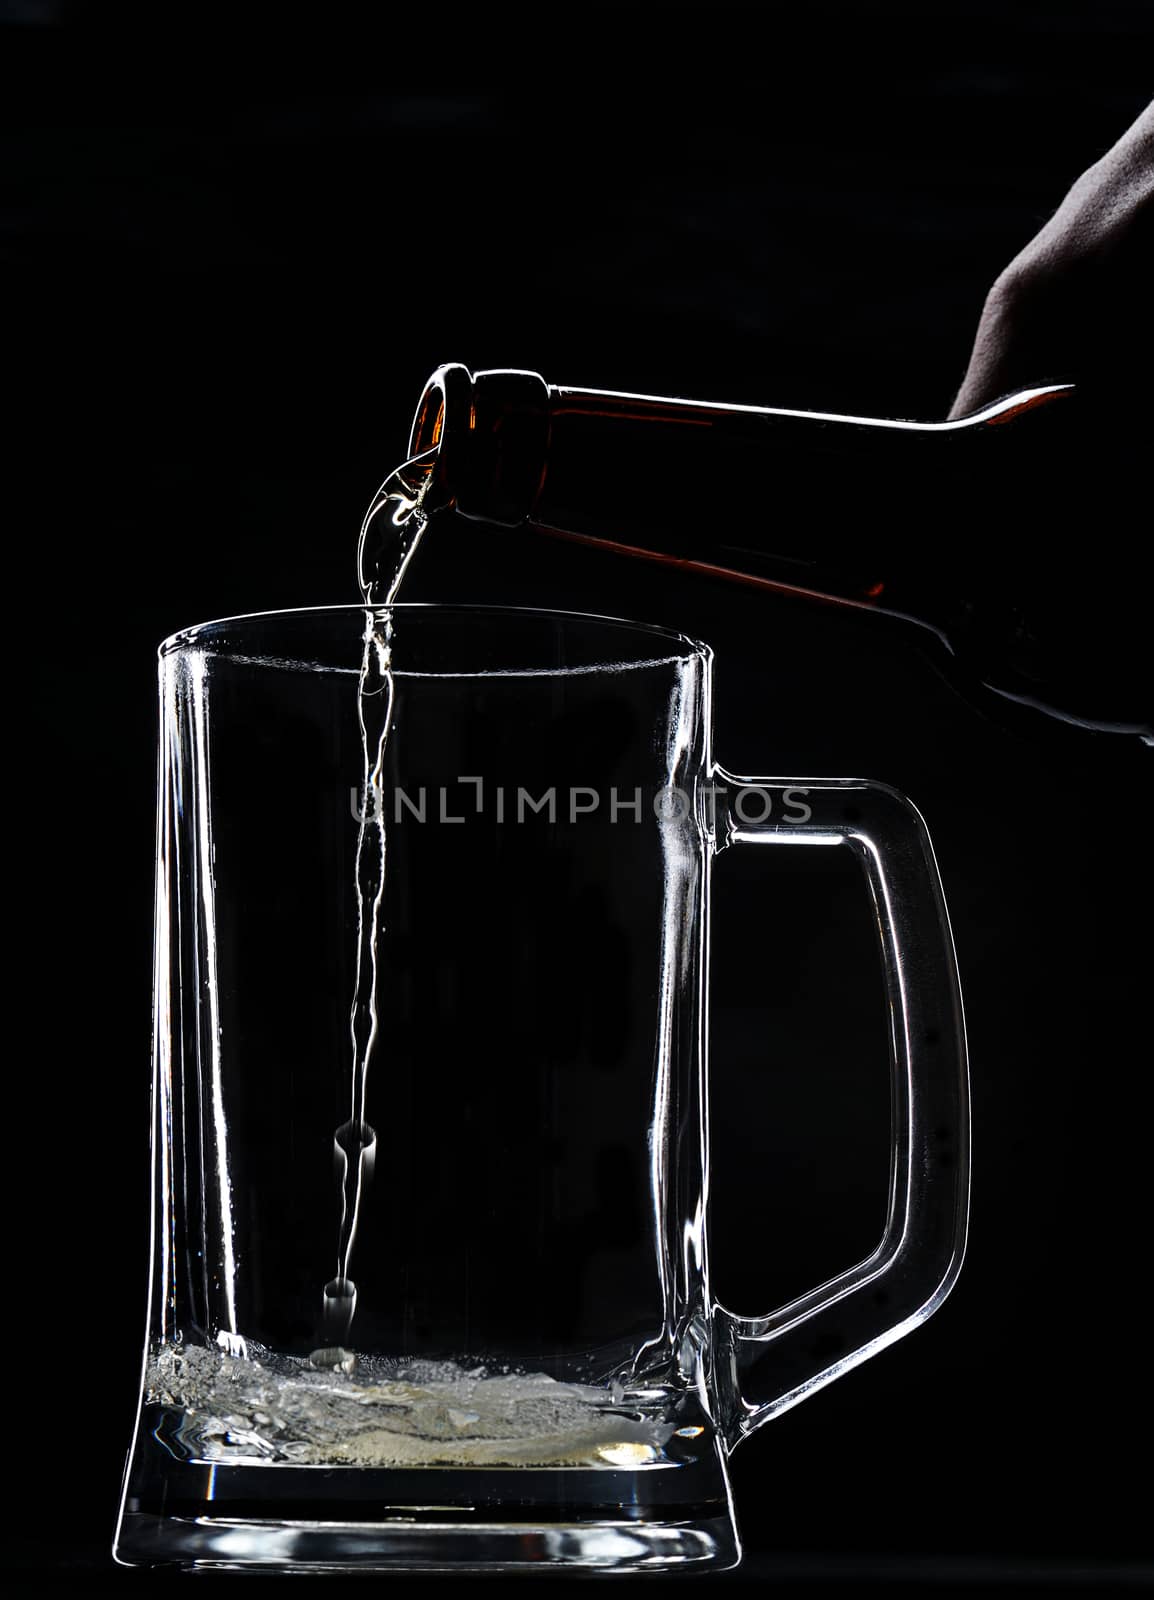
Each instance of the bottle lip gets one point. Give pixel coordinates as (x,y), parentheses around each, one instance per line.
(447,395)
(443,409)
(491,434)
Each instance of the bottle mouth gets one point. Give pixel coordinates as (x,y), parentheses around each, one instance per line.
(448,389)
(491,434)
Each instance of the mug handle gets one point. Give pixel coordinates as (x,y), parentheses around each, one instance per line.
(767,1364)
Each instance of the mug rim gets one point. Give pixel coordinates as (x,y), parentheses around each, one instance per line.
(202,632)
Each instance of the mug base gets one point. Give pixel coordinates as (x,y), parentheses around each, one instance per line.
(281,1544)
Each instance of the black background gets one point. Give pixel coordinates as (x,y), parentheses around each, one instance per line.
(233,258)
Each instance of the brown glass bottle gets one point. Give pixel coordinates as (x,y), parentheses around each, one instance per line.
(955,527)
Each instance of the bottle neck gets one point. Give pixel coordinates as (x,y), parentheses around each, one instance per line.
(964,528)
(882,514)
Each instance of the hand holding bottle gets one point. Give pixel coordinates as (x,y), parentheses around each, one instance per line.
(1072,302)
(1009,535)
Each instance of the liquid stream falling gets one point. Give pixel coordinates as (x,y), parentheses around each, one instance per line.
(390,534)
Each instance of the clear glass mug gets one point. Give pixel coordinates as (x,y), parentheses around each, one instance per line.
(501,913)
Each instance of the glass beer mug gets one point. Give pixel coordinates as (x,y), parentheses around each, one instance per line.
(430,1284)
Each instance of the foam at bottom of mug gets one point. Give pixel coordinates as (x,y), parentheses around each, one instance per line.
(256,1407)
